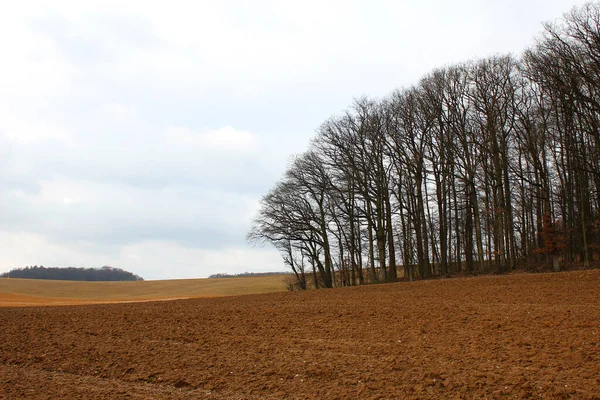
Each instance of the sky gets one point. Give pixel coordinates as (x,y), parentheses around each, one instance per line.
(142,135)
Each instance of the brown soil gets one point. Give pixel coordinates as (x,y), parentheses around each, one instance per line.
(517,336)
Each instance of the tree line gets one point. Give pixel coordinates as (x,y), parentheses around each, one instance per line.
(105,273)
(245,274)
(482,167)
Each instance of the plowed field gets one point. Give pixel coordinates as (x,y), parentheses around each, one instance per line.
(516,336)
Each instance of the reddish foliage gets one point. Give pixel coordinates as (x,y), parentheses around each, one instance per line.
(552,236)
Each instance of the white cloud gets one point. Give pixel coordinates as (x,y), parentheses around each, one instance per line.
(226,139)
(171,260)
(21,248)
(110,213)
(150,259)
(31,131)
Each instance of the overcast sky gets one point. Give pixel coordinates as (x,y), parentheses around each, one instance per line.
(142,136)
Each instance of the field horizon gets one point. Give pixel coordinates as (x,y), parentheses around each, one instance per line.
(40,292)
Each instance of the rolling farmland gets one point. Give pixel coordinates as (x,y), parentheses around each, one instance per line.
(510,336)
(29,292)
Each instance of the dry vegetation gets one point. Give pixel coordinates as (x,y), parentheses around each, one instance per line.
(23,292)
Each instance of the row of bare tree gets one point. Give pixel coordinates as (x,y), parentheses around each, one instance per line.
(482,167)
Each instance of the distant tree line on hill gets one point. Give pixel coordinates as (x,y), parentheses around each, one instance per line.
(105,273)
(247,274)
(482,167)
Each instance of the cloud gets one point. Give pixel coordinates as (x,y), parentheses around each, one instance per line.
(32,131)
(190,260)
(109,212)
(152,259)
(223,140)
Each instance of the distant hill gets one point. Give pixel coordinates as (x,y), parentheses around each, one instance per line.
(106,274)
(247,274)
